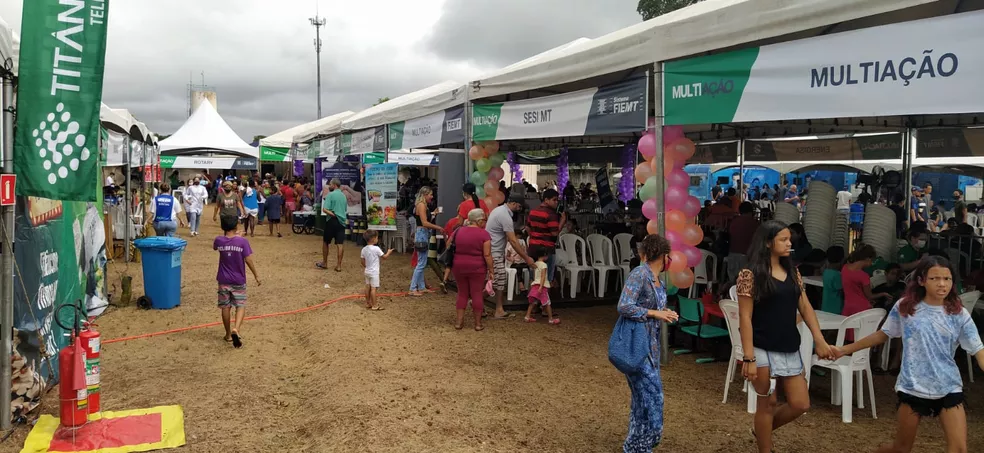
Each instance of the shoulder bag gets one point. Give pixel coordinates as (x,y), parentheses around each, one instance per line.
(629,347)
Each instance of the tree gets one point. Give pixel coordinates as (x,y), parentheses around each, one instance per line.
(649,9)
(380,101)
(257,138)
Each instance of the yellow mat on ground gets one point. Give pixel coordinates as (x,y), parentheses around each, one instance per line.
(111,432)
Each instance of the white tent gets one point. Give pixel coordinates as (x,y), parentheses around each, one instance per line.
(702,27)
(413,105)
(114,121)
(329,125)
(285,138)
(206,131)
(9,45)
(136,129)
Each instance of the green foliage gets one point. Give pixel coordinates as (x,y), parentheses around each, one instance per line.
(649,9)
(381,100)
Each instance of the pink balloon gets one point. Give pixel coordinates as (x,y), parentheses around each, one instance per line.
(676,195)
(682,279)
(491,147)
(694,256)
(675,239)
(476,153)
(673,203)
(693,235)
(672,133)
(691,206)
(678,178)
(496,174)
(678,262)
(647,146)
(652,227)
(491,186)
(651,124)
(675,220)
(649,209)
(681,150)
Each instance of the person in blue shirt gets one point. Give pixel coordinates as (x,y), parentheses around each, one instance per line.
(932,322)
(163,212)
(252,205)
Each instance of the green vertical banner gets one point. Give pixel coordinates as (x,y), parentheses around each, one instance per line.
(62,56)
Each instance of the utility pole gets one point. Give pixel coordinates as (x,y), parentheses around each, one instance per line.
(7,258)
(318,22)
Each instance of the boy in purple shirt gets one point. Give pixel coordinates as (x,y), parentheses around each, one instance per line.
(234,255)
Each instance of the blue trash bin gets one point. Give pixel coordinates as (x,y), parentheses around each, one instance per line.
(162,269)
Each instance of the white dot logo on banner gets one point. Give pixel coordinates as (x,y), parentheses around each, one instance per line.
(57,139)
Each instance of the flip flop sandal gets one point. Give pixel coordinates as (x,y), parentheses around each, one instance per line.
(444,288)
(528,319)
(506,316)
(377,308)
(320,266)
(555,322)
(237,341)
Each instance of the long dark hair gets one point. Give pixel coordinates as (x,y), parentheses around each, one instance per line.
(915,292)
(760,260)
(469,189)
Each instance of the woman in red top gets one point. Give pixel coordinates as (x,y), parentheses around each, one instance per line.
(857,284)
(472,266)
(471,202)
(290,201)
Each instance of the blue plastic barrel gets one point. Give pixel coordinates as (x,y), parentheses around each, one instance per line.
(162,269)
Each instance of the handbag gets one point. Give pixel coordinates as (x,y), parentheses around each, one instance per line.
(629,347)
(421,246)
(446,257)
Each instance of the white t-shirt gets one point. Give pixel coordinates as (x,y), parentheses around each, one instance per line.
(195,198)
(371,254)
(109,181)
(844,200)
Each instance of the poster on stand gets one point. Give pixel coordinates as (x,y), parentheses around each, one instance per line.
(928,66)
(350,178)
(606,200)
(381,195)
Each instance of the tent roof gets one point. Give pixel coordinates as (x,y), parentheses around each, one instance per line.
(285,138)
(705,26)
(329,125)
(409,106)
(114,121)
(136,129)
(206,131)
(9,45)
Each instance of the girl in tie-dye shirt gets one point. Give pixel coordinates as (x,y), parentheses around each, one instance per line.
(931,322)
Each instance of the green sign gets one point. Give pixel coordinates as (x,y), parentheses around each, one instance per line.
(270,154)
(63,52)
(706,89)
(374,158)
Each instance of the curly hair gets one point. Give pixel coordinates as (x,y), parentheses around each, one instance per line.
(654,247)
(915,292)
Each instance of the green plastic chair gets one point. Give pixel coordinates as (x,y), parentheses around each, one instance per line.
(691,316)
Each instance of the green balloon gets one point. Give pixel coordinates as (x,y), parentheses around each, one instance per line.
(497,159)
(478,179)
(483,165)
(649,189)
(480,191)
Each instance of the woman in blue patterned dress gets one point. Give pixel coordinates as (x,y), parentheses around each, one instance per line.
(644,300)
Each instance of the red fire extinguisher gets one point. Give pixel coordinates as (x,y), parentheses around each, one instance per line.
(91,345)
(74,402)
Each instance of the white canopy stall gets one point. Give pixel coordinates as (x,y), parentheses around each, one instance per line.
(206,132)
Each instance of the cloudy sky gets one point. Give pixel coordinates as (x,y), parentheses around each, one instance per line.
(259,54)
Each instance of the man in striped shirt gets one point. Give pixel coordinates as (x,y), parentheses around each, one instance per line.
(544,226)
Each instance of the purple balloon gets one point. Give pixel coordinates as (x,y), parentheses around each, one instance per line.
(675,196)
(691,206)
(649,209)
(693,255)
(678,178)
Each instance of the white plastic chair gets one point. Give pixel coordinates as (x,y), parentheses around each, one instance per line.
(969,301)
(602,259)
(730,309)
(573,263)
(703,275)
(733,293)
(511,277)
(400,235)
(623,249)
(847,368)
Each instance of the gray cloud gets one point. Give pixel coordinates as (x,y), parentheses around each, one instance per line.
(259,55)
(505,31)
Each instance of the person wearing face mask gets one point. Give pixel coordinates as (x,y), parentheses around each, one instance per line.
(228,203)
(959,206)
(908,257)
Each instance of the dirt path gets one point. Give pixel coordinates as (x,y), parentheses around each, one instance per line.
(344,379)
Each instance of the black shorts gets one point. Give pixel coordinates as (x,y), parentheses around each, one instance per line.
(274,221)
(930,408)
(334,231)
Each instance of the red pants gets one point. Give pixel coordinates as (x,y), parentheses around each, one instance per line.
(470,285)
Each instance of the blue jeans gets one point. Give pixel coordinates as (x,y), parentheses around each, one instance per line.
(551,266)
(262,211)
(194,220)
(417,281)
(167,228)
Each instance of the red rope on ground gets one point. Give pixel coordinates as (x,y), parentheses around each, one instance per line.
(249,318)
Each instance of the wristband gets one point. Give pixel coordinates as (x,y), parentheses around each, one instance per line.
(748,360)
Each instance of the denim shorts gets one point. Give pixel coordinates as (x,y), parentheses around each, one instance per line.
(781,364)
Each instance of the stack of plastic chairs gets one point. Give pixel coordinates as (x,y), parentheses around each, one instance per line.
(818,220)
(841,235)
(879,230)
(786,213)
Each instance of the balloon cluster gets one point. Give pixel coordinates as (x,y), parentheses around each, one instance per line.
(514,168)
(488,172)
(563,174)
(626,185)
(681,208)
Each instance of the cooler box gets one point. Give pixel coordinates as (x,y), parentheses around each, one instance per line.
(162,269)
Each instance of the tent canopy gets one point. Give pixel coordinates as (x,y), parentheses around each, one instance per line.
(206,131)
(9,46)
(285,138)
(409,106)
(705,26)
(137,130)
(113,121)
(329,125)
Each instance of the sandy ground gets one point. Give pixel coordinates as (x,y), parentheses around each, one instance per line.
(345,379)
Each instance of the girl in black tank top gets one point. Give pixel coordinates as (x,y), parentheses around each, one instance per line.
(770,295)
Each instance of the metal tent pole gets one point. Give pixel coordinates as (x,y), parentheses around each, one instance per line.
(127,210)
(7,259)
(907,138)
(656,88)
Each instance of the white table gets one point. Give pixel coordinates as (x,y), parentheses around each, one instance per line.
(813,280)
